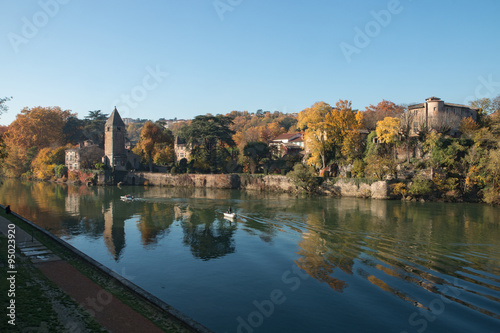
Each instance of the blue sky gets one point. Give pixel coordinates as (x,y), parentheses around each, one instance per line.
(182,58)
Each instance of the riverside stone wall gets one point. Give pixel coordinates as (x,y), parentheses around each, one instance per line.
(271,183)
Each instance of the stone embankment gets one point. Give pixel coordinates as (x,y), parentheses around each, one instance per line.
(271,183)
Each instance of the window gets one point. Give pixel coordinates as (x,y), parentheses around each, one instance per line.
(415,126)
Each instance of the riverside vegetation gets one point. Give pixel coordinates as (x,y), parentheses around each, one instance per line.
(444,167)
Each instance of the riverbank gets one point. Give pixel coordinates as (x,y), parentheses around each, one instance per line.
(98,299)
(357,188)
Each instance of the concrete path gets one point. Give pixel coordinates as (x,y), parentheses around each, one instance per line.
(108,311)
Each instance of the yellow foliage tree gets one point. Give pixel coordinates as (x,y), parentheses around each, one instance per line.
(43,164)
(388,130)
(343,125)
(317,141)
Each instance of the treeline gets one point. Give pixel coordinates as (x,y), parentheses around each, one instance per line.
(376,143)
(232,143)
(430,164)
(33,146)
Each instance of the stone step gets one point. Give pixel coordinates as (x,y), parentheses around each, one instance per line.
(22,245)
(33,248)
(37,253)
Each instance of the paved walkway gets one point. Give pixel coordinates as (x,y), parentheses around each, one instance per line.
(108,311)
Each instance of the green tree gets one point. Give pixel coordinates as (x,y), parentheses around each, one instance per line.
(209,137)
(93,127)
(3,106)
(255,153)
(73,130)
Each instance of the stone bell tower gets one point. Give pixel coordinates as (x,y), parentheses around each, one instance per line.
(114,141)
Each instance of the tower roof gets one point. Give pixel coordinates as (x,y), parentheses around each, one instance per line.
(115,119)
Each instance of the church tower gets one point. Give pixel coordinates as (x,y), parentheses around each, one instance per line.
(114,141)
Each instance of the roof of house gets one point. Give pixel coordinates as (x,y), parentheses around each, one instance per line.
(298,139)
(287,136)
(421,105)
(459,106)
(115,119)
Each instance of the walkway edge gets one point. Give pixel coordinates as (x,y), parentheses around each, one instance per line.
(188,321)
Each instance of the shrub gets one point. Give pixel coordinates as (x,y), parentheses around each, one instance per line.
(303,177)
(73,175)
(358,168)
(399,189)
(420,187)
(60,170)
(491,196)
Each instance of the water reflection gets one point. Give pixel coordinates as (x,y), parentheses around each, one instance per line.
(407,250)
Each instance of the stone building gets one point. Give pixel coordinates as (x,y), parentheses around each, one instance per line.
(437,115)
(83,157)
(181,149)
(116,156)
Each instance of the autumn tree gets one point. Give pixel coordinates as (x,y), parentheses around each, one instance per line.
(270,131)
(343,125)
(37,127)
(483,105)
(376,113)
(45,162)
(3,129)
(313,121)
(152,141)
(134,131)
(388,130)
(468,127)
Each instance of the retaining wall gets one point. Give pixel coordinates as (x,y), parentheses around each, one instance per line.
(272,183)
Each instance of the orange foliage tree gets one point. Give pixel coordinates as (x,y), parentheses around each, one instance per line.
(47,159)
(37,127)
(375,113)
(153,139)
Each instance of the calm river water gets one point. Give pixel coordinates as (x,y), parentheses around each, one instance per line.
(287,264)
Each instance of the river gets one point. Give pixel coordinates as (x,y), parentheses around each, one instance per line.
(287,263)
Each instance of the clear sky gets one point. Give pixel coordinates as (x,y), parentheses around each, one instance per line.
(182,58)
